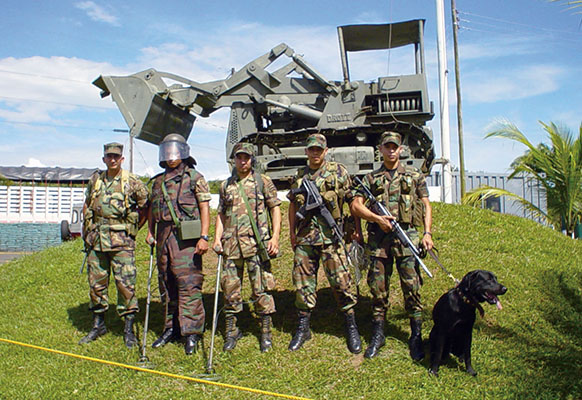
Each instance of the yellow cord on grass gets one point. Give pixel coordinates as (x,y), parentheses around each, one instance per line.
(187,378)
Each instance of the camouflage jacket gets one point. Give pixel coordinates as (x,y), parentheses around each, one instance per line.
(401,194)
(333,181)
(112,218)
(238,238)
(186,188)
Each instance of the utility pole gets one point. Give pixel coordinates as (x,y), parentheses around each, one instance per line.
(446,194)
(130,153)
(458,88)
(130,146)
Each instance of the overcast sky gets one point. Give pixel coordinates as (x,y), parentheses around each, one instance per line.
(521,60)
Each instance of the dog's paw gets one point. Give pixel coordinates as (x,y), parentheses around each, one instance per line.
(471,371)
(433,372)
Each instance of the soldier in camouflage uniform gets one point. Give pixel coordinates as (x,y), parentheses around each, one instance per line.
(235,238)
(403,190)
(312,240)
(179,260)
(113,202)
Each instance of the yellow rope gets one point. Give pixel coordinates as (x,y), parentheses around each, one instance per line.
(187,378)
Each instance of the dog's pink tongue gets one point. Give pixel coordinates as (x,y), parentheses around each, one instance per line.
(498,304)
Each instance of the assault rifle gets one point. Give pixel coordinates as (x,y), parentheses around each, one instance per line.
(314,201)
(380,209)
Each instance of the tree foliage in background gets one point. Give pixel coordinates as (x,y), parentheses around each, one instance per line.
(557,168)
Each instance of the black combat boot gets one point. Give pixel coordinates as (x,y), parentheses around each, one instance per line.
(169,335)
(191,345)
(415,341)
(128,335)
(378,340)
(352,334)
(302,334)
(233,334)
(98,329)
(266,339)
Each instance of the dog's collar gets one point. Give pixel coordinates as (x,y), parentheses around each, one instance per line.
(470,301)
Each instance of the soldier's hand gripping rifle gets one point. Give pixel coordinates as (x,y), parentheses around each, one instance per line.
(380,209)
(314,201)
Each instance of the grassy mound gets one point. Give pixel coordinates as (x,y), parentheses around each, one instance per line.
(530,349)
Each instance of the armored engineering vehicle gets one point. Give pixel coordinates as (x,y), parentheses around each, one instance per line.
(277,110)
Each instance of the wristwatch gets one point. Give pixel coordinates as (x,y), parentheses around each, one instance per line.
(205,237)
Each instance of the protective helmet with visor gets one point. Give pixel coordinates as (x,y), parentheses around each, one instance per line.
(174,147)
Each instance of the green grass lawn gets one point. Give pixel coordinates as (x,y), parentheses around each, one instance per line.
(530,349)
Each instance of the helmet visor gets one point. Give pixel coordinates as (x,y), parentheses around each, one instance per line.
(174,150)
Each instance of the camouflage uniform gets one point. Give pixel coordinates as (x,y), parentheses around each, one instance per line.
(179,269)
(111,224)
(239,242)
(315,240)
(401,193)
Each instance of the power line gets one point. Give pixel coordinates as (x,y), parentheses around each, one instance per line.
(534,27)
(53,125)
(54,102)
(43,76)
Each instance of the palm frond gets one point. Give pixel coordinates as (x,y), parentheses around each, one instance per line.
(476,196)
(556,166)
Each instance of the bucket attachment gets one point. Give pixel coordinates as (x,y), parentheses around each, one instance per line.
(149,115)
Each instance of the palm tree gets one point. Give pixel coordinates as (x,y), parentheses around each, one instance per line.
(571,3)
(557,168)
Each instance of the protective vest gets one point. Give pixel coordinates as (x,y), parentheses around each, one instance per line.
(182,194)
(399,194)
(326,182)
(114,208)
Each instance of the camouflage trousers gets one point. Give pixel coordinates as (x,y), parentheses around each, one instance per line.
(261,281)
(100,264)
(180,279)
(379,282)
(306,265)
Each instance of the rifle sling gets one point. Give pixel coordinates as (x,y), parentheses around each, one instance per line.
(258,237)
(169,203)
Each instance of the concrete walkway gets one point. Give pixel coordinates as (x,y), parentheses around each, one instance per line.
(9,255)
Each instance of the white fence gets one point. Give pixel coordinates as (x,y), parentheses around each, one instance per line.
(37,203)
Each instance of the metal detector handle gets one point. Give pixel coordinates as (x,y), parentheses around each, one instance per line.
(147,316)
(209,367)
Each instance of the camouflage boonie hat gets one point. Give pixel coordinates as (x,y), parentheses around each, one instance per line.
(113,148)
(391,137)
(316,140)
(247,148)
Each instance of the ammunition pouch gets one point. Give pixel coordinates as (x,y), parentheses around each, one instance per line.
(132,222)
(406,199)
(267,277)
(418,213)
(188,230)
(331,199)
(89,238)
(405,208)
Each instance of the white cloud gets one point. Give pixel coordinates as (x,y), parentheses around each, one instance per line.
(498,47)
(58,101)
(97,13)
(492,85)
(33,162)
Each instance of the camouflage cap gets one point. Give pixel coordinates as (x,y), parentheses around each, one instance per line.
(316,140)
(113,148)
(391,137)
(247,148)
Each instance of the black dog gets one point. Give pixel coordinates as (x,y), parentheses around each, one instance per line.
(454,316)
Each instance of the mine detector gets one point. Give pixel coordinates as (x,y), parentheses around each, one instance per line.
(277,110)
